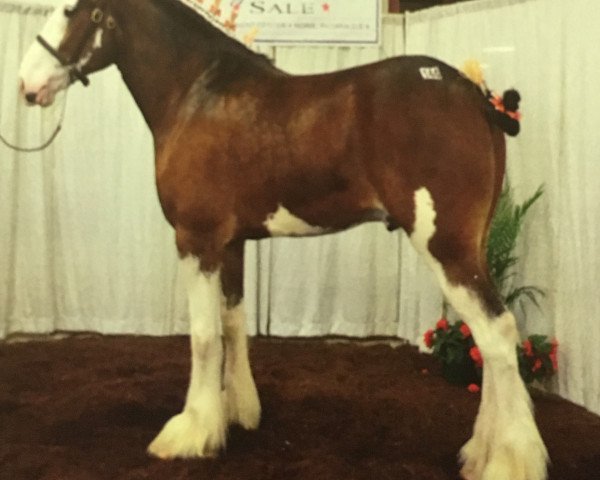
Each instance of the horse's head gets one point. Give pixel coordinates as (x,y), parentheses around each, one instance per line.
(78,39)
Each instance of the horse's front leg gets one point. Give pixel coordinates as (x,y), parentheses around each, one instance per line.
(200,429)
(240,394)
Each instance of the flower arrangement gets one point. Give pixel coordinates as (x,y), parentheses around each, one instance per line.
(538,358)
(462,362)
(453,343)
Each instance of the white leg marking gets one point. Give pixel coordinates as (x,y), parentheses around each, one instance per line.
(506,444)
(424,226)
(284,223)
(200,429)
(241,396)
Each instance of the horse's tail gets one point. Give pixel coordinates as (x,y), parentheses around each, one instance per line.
(502,111)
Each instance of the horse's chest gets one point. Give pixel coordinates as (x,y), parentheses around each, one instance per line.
(185,187)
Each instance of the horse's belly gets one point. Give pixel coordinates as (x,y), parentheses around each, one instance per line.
(283,223)
(319,221)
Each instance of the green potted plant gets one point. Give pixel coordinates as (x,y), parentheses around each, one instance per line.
(502,241)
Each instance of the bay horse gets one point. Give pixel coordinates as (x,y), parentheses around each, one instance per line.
(245,151)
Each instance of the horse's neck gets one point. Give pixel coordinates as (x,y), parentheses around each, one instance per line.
(157,71)
(156,88)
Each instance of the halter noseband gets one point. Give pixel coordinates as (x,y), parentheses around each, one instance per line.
(75,72)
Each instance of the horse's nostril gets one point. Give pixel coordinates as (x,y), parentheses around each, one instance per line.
(30,97)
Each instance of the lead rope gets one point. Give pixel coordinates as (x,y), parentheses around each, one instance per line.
(47,143)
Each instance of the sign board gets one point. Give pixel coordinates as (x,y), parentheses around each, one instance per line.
(298,22)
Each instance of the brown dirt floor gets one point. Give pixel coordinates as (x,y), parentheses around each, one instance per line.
(80,409)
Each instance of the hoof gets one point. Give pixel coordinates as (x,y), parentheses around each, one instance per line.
(190,435)
(519,454)
(242,403)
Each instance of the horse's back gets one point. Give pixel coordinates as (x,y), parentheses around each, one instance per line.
(409,122)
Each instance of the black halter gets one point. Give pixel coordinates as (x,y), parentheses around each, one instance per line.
(74,72)
(97,17)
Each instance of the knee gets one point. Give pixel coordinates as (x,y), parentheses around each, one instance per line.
(206,344)
(506,327)
(500,340)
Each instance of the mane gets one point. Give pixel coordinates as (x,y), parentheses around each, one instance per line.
(191,28)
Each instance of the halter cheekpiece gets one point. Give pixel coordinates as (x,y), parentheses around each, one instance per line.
(97,16)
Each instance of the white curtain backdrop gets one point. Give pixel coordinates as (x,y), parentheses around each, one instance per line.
(85,247)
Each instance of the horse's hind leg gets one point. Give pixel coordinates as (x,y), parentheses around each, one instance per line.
(506,444)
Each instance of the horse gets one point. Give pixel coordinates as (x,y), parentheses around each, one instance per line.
(244,150)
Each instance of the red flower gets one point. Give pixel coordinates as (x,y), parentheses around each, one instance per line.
(554,344)
(473,388)
(428,338)
(443,324)
(528,348)
(476,356)
(537,365)
(465,330)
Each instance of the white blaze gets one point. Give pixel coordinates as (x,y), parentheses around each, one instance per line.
(40,72)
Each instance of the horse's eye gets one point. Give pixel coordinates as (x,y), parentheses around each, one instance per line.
(69,11)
